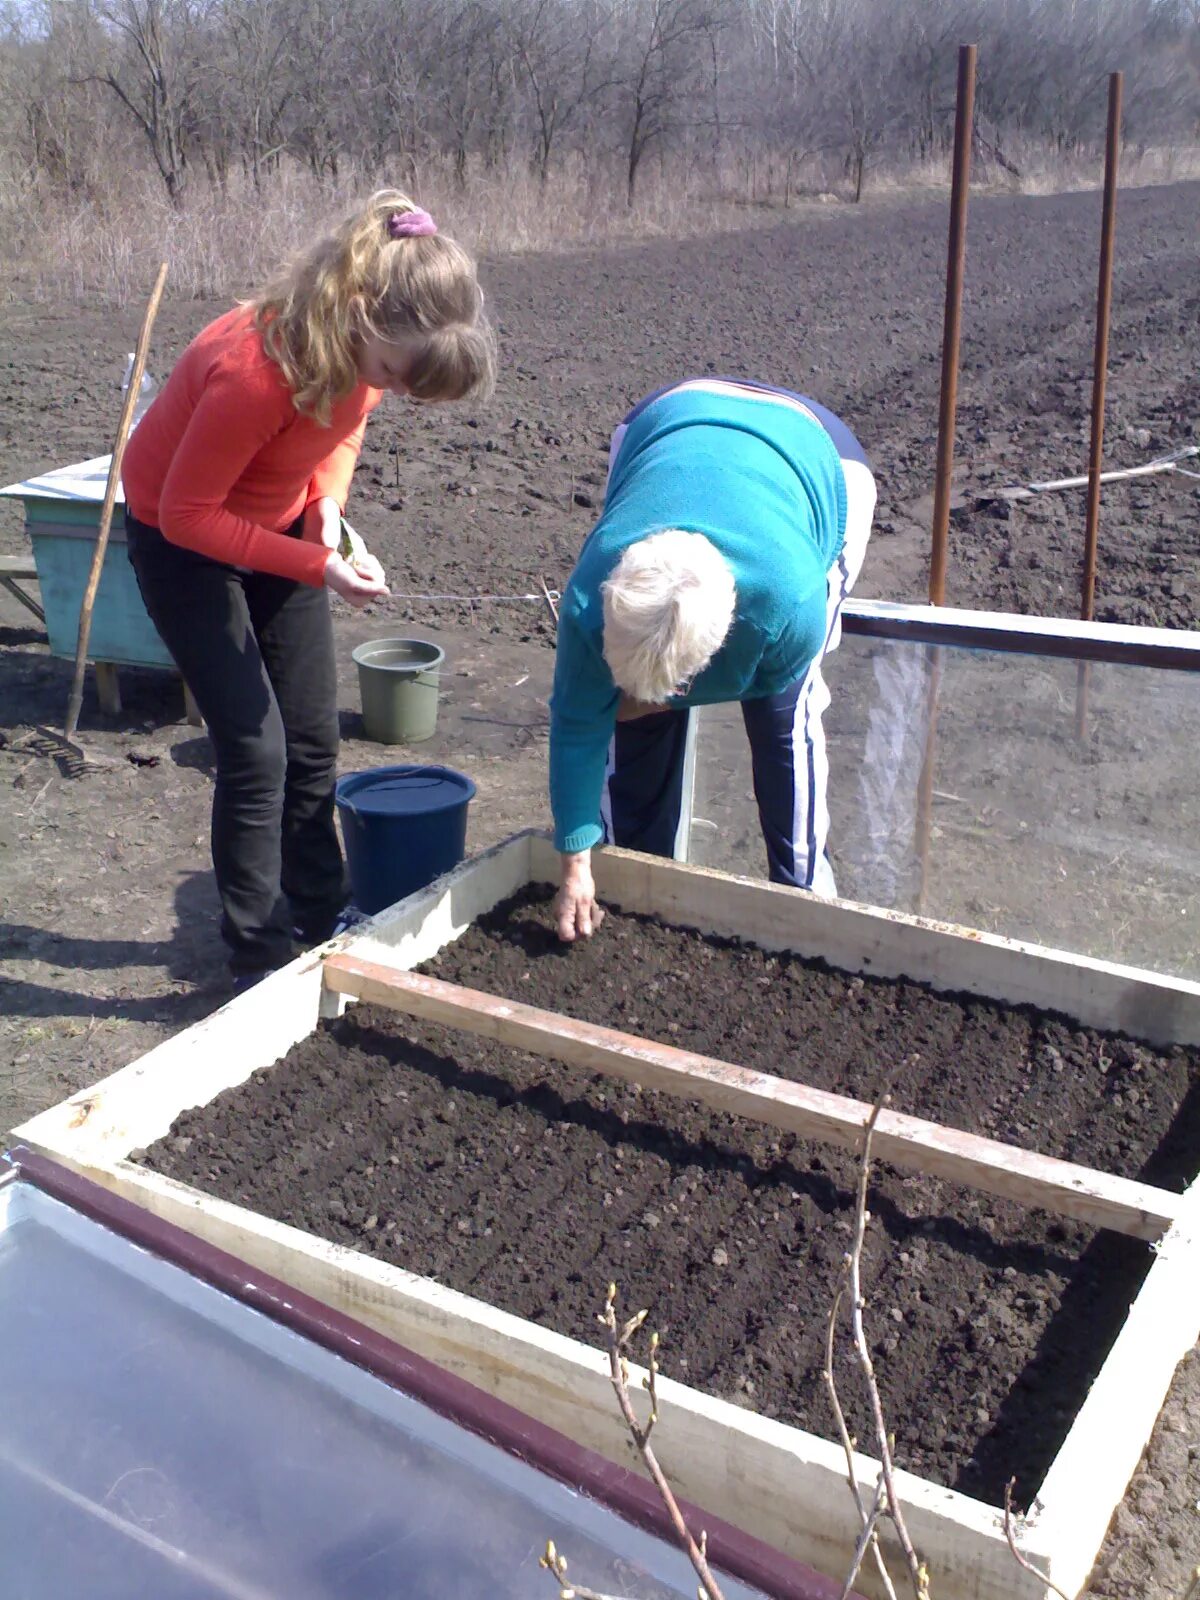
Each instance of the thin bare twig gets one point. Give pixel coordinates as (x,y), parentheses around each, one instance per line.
(556,1566)
(868,1538)
(41,794)
(618,1343)
(549,598)
(1021,1560)
(869,1519)
(884,1501)
(916,1569)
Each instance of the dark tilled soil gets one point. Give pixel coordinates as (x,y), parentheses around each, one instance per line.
(843,304)
(530,1186)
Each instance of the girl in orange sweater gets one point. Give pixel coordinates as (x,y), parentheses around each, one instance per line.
(235,482)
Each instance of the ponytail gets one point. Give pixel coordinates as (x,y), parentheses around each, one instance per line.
(385,271)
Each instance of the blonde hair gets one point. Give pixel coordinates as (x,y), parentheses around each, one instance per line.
(359,281)
(668,604)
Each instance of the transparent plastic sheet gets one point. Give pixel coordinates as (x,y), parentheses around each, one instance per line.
(158,1438)
(1084,844)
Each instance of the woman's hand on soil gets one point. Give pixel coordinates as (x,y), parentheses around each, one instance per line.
(357,587)
(323,522)
(576,912)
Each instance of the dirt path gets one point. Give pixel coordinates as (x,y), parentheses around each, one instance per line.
(109,938)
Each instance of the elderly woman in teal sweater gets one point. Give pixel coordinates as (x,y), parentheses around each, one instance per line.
(735,523)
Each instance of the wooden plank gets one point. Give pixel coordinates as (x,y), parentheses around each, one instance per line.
(1091,1472)
(15,570)
(137,1105)
(859,938)
(778,1482)
(133,1107)
(1059,638)
(415,929)
(1062,1187)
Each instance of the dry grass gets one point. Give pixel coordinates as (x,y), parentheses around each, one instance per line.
(1043,170)
(223,242)
(1046,171)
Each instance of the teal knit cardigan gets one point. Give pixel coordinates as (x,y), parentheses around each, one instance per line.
(764,483)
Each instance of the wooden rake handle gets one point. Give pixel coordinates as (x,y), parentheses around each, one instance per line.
(75,701)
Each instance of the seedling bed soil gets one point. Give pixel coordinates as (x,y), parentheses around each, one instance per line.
(530,1185)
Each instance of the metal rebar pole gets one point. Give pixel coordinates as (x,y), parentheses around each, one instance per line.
(1100,359)
(964,120)
(956,255)
(1108,219)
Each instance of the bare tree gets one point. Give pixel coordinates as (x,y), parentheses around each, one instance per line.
(665,46)
(409,84)
(323,108)
(152,62)
(867,111)
(46,123)
(559,62)
(466,45)
(395,58)
(258,79)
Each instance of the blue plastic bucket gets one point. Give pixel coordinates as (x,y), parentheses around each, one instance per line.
(403,827)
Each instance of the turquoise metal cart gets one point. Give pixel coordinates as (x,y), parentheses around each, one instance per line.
(62,519)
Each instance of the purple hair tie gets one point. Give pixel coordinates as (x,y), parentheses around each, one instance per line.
(415,224)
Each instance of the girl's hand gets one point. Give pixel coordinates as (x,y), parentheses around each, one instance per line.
(323,522)
(352,585)
(576,913)
(368,567)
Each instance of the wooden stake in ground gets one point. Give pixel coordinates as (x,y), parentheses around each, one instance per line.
(75,702)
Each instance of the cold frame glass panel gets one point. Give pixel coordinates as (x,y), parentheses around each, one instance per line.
(158,1438)
(1085,844)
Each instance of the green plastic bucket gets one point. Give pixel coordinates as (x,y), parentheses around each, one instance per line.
(398,685)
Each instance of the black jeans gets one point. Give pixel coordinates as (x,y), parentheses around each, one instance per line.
(257,653)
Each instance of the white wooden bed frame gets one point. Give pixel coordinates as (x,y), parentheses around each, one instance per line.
(784,1485)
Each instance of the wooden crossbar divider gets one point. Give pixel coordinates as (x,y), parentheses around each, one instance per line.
(1068,1190)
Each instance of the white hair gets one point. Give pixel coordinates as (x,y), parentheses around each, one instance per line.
(668,605)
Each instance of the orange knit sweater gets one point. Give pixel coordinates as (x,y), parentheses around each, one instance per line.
(223,462)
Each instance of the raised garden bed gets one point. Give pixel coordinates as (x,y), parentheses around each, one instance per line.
(756,1229)
(530,1185)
